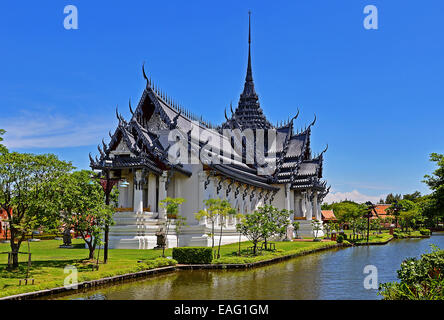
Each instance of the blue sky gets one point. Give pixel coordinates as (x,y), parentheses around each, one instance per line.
(378,94)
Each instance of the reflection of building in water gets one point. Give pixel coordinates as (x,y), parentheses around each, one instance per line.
(288,176)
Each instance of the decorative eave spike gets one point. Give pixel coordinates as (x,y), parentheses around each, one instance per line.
(144,75)
(131,109)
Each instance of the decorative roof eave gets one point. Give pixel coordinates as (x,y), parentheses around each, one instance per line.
(153,144)
(225,170)
(280,160)
(136,163)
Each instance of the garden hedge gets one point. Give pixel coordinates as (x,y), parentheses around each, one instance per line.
(197,255)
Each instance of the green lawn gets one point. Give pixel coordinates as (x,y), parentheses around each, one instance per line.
(49,261)
(374,237)
(411,234)
(229,253)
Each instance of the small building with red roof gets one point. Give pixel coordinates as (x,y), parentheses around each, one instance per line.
(4,225)
(328,216)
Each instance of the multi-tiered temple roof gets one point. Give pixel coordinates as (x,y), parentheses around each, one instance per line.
(142,142)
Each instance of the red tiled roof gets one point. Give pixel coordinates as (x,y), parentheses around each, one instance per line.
(381,211)
(328,215)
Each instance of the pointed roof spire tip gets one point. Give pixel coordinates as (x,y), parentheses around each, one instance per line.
(249,27)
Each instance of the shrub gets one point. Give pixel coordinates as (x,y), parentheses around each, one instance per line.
(199,255)
(424,232)
(155,263)
(419,279)
(340,238)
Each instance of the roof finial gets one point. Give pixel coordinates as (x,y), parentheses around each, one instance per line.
(249,72)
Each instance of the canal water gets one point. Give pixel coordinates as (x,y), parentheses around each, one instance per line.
(334,274)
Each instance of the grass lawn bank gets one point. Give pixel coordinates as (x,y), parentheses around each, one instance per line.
(49,261)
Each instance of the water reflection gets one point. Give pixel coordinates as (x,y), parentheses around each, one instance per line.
(335,274)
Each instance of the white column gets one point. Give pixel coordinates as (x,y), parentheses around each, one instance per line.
(290,228)
(297,206)
(138,192)
(292,207)
(287,197)
(162,193)
(308,206)
(202,178)
(303,204)
(201,196)
(152,191)
(316,206)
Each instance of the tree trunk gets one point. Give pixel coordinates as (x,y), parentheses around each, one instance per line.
(91,253)
(220,241)
(15,247)
(212,237)
(240,235)
(106,240)
(91,248)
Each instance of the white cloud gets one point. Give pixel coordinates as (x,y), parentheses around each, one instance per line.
(39,130)
(354,195)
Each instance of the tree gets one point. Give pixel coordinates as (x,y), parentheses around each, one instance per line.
(274,222)
(241,219)
(223,211)
(415,196)
(348,212)
(316,225)
(327,228)
(210,212)
(251,227)
(264,223)
(179,224)
(28,193)
(82,207)
(420,279)
(296,226)
(2,147)
(391,198)
(407,210)
(171,206)
(435,206)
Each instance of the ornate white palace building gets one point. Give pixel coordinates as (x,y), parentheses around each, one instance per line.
(139,155)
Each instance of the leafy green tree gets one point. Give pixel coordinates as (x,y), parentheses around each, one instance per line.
(171,206)
(211,213)
(2,147)
(241,219)
(392,198)
(274,222)
(251,228)
(316,225)
(435,208)
(28,185)
(349,213)
(179,224)
(415,196)
(83,208)
(420,279)
(407,215)
(296,226)
(224,210)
